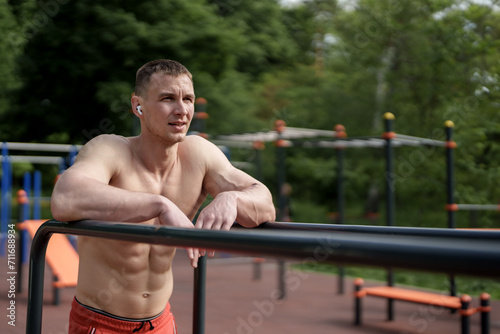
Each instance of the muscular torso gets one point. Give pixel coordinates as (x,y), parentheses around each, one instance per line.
(129,279)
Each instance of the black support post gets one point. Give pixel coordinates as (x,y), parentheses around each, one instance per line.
(465,316)
(358,297)
(199,290)
(390,179)
(485,313)
(451,206)
(340,133)
(281,175)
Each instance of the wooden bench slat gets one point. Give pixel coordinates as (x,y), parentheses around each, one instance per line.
(414,296)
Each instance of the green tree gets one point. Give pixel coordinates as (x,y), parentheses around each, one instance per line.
(9,51)
(267,43)
(79,67)
(79,63)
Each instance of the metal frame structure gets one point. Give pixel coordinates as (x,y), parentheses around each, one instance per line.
(6,185)
(285,137)
(474,253)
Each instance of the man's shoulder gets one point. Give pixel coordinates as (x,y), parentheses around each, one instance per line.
(200,149)
(110,139)
(105,145)
(195,142)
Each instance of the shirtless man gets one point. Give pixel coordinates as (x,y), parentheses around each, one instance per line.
(160,177)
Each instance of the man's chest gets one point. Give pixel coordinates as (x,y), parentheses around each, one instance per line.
(184,188)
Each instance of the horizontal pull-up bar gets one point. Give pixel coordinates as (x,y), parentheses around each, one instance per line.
(479,257)
(479,207)
(52,160)
(16,146)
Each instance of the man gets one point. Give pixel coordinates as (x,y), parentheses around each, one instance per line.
(160,177)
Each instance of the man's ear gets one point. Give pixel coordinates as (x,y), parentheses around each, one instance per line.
(135,101)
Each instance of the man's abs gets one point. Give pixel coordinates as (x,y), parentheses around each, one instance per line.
(125,279)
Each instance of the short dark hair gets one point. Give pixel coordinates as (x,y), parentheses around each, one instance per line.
(164,66)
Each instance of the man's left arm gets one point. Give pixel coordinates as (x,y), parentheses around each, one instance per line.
(237,196)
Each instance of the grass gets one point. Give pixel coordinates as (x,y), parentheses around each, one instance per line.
(408,216)
(472,286)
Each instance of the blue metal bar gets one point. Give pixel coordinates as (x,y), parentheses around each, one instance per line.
(37,194)
(26,215)
(6,197)
(27,187)
(469,256)
(73,152)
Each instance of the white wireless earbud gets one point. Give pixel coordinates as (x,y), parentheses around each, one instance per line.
(139,110)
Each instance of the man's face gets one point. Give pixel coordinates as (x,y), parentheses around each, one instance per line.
(168,107)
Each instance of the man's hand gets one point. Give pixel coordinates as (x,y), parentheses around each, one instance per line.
(220,214)
(173,216)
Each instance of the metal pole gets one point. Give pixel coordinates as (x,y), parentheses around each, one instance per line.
(451,206)
(72,155)
(358,285)
(340,133)
(465,318)
(22,201)
(199,291)
(485,313)
(39,147)
(390,179)
(280,168)
(281,175)
(258,146)
(340,186)
(27,187)
(35,286)
(6,197)
(450,174)
(426,232)
(37,194)
(478,207)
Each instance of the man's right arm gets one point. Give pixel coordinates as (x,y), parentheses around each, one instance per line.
(83,191)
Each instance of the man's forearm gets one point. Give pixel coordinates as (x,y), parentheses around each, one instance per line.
(94,200)
(255,206)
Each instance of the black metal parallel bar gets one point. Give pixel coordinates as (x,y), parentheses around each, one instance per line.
(388,230)
(477,257)
(35,285)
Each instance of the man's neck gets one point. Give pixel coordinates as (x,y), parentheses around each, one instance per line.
(157,157)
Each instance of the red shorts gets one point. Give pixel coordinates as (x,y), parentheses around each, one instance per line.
(83,320)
